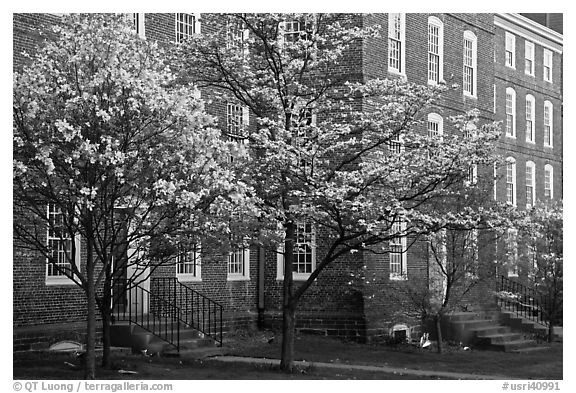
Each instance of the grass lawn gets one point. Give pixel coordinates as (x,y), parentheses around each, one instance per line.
(544,364)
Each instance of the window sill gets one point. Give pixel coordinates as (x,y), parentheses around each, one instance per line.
(397,73)
(399,278)
(510,66)
(295,277)
(549,146)
(531,142)
(237,278)
(466,94)
(59,281)
(188,278)
(510,136)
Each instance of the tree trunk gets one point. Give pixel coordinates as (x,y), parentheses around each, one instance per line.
(288,329)
(437,320)
(288,305)
(106,319)
(90,355)
(106,311)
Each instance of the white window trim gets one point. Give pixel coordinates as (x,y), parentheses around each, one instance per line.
(468,35)
(530,100)
(511,160)
(551,57)
(197,24)
(509,37)
(494,98)
(62,280)
(549,168)
(240,276)
(436,118)
(295,275)
(512,92)
(528,44)
(402,70)
(532,166)
(190,277)
(404,257)
(141,28)
(548,104)
(432,20)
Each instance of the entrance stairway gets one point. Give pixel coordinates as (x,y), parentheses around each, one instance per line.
(168,319)
(140,340)
(498,330)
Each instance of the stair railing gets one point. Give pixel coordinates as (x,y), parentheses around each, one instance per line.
(152,313)
(522,300)
(196,310)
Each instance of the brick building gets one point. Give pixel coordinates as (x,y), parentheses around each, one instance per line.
(508,66)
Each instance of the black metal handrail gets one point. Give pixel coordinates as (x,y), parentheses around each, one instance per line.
(524,301)
(196,310)
(152,313)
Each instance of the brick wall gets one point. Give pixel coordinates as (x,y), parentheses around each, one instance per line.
(333,306)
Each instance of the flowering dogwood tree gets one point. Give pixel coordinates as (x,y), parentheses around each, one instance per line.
(108,149)
(347,156)
(541,242)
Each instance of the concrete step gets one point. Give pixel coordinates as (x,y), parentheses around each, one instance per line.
(499,338)
(490,330)
(472,315)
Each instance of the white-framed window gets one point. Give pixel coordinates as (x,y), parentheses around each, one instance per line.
(398,253)
(236,35)
(304,262)
(547,65)
(510,55)
(472,175)
(295,30)
(510,112)
(548,181)
(188,264)
(435,50)
(530,125)
(137,20)
(435,126)
(397,43)
(60,243)
(529,58)
(530,184)
(239,264)
(302,127)
(548,121)
(237,121)
(511,181)
(511,242)
(186,25)
(470,63)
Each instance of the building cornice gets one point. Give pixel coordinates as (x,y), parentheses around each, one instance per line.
(532,26)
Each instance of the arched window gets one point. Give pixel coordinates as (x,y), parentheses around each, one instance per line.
(548,181)
(530,184)
(548,129)
(435,50)
(511,181)
(530,108)
(470,61)
(510,112)
(435,126)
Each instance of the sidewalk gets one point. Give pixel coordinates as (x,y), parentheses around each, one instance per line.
(383,369)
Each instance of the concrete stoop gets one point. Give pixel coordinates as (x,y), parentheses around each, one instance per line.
(124,334)
(491,330)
